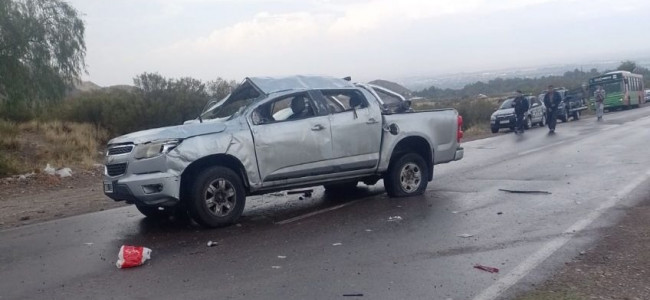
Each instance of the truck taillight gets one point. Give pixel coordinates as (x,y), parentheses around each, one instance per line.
(459,132)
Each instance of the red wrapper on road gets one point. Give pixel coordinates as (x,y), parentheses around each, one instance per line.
(132,256)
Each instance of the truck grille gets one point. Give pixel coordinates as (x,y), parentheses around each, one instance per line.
(116,169)
(120,150)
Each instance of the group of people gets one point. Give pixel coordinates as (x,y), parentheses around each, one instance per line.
(552,100)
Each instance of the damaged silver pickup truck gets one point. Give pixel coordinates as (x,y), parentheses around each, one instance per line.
(274,134)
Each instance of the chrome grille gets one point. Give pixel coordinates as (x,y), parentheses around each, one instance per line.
(116,169)
(120,150)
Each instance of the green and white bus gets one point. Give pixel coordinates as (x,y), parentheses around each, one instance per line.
(622,89)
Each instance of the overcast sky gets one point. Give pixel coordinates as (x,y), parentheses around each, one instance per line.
(366,39)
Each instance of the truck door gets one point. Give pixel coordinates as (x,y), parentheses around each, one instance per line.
(356,130)
(292,138)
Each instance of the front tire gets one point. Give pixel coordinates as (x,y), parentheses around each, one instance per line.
(494,129)
(529,123)
(542,123)
(407,176)
(576,115)
(217,197)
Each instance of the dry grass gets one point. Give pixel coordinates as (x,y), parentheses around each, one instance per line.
(30,146)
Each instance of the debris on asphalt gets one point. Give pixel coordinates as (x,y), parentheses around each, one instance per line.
(395,218)
(466,235)
(486,268)
(337,244)
(132,256)
(88,244)
(368,230)
(276,267)
(499,213)
(212,244)
(281,257)
(454,212)
(525,192)
(352,295)
(306,193)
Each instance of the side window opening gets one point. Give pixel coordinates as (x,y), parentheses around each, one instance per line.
(293,107)
(344,100)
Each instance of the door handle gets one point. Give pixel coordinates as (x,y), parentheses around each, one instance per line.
(371,121)
(317,127)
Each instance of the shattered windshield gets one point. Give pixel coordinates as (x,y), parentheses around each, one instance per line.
(232,105)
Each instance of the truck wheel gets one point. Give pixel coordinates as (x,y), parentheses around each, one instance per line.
(529,123)
(494,129)
(564,117)
(576,115)
(153,212)
(407,176)
(217,197)
(339,188)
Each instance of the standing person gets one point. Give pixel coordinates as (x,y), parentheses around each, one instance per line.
(552,100)
(521,107)
(599,94)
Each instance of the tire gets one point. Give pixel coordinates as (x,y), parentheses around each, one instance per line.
(217,197)
(565,117)
(407,176)
(153,212)
(339,188)
(529,123)
(494,129)
(576,115)
(512,128)
(542,123)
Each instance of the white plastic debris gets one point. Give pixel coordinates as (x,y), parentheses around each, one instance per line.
(368,230)
(212,244)
(337,244)
(49,170)
(281,257)
(22,177)
(276,267)
(466,235)
(395,218)
(65,172)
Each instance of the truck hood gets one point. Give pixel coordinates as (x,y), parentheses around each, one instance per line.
(171,132)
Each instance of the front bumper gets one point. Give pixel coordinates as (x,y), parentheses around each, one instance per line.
(504,121)
(156,189)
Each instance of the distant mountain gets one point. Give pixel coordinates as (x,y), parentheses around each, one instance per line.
(395,87)
(89,86)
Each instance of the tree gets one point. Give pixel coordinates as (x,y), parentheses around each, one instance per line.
(627,65)
(42,50)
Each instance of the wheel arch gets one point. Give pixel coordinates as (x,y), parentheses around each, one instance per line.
(414,144)
(223,160)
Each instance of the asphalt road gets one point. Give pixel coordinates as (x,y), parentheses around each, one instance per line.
(363,245)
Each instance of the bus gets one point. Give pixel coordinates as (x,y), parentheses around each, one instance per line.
(623,89)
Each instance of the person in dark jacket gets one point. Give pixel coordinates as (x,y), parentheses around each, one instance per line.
(552,100)
(521,107)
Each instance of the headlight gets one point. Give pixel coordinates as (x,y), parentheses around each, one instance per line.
(155,148)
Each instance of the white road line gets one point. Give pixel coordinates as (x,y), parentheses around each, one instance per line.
(540,148)
(318,212)
(530,263)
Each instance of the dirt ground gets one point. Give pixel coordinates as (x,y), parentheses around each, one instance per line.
(42,197)
(617,267)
